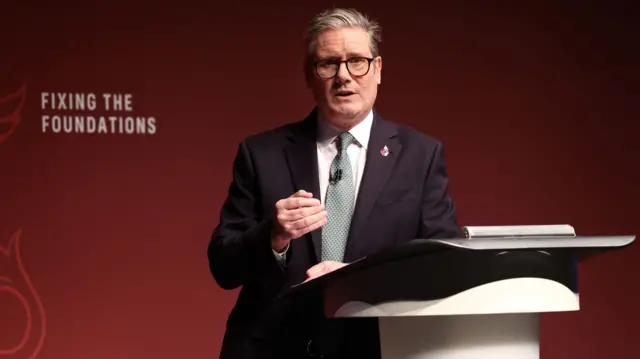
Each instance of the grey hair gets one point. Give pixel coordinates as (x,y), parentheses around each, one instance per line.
(338,18)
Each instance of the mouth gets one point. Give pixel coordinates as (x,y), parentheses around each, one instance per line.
(344,94)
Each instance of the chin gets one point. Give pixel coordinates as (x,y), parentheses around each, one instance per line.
(346,111)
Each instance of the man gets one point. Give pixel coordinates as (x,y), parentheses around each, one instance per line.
(311,196)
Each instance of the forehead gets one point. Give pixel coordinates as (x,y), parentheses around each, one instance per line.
(344,42)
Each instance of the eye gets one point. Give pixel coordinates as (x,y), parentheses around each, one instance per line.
(358,63)
(327,63)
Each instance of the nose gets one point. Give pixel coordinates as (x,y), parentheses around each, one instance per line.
(343,74)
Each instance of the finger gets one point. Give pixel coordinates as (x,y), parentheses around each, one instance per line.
(298,202)
(316,270)
(300,213)
(306,221)
(286,217)
(311,273)
(302,193)
(302,231)
(334,265)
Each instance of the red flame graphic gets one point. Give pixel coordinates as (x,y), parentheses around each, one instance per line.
(27,298)
(9,122)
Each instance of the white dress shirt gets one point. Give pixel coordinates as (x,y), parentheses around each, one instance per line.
(327,151)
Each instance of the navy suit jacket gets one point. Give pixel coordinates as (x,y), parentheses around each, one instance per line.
(402,196)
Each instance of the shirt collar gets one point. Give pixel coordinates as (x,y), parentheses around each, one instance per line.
(361,132)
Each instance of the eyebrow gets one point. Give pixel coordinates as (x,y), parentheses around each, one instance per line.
(338,57)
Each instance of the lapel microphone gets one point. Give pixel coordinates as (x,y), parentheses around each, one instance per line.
(334,178)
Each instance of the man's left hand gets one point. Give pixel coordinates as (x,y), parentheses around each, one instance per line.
(323,268)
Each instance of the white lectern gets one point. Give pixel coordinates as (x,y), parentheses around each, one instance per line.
(467,298)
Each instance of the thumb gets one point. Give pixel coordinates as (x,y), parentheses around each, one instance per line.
(302,193)
(316,270)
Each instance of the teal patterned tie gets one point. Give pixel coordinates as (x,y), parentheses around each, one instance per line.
(338,203)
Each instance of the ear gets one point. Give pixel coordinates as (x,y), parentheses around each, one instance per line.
(378,62)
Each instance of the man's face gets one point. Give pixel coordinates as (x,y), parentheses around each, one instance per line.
(346,98)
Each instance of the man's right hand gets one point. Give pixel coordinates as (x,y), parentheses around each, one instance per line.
(296,216)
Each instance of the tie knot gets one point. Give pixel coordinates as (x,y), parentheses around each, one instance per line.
(344,140)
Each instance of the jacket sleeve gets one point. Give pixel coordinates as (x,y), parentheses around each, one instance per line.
(240,248)
(439,218)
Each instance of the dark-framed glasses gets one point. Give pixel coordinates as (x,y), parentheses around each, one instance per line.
(357,66)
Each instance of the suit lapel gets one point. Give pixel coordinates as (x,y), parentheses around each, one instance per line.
(377,169)
(302,158)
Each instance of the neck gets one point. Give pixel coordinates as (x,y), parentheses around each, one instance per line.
(341,122)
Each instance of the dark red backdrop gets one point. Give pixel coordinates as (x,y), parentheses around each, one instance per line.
(537,108)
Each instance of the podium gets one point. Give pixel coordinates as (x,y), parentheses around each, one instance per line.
(465,298)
